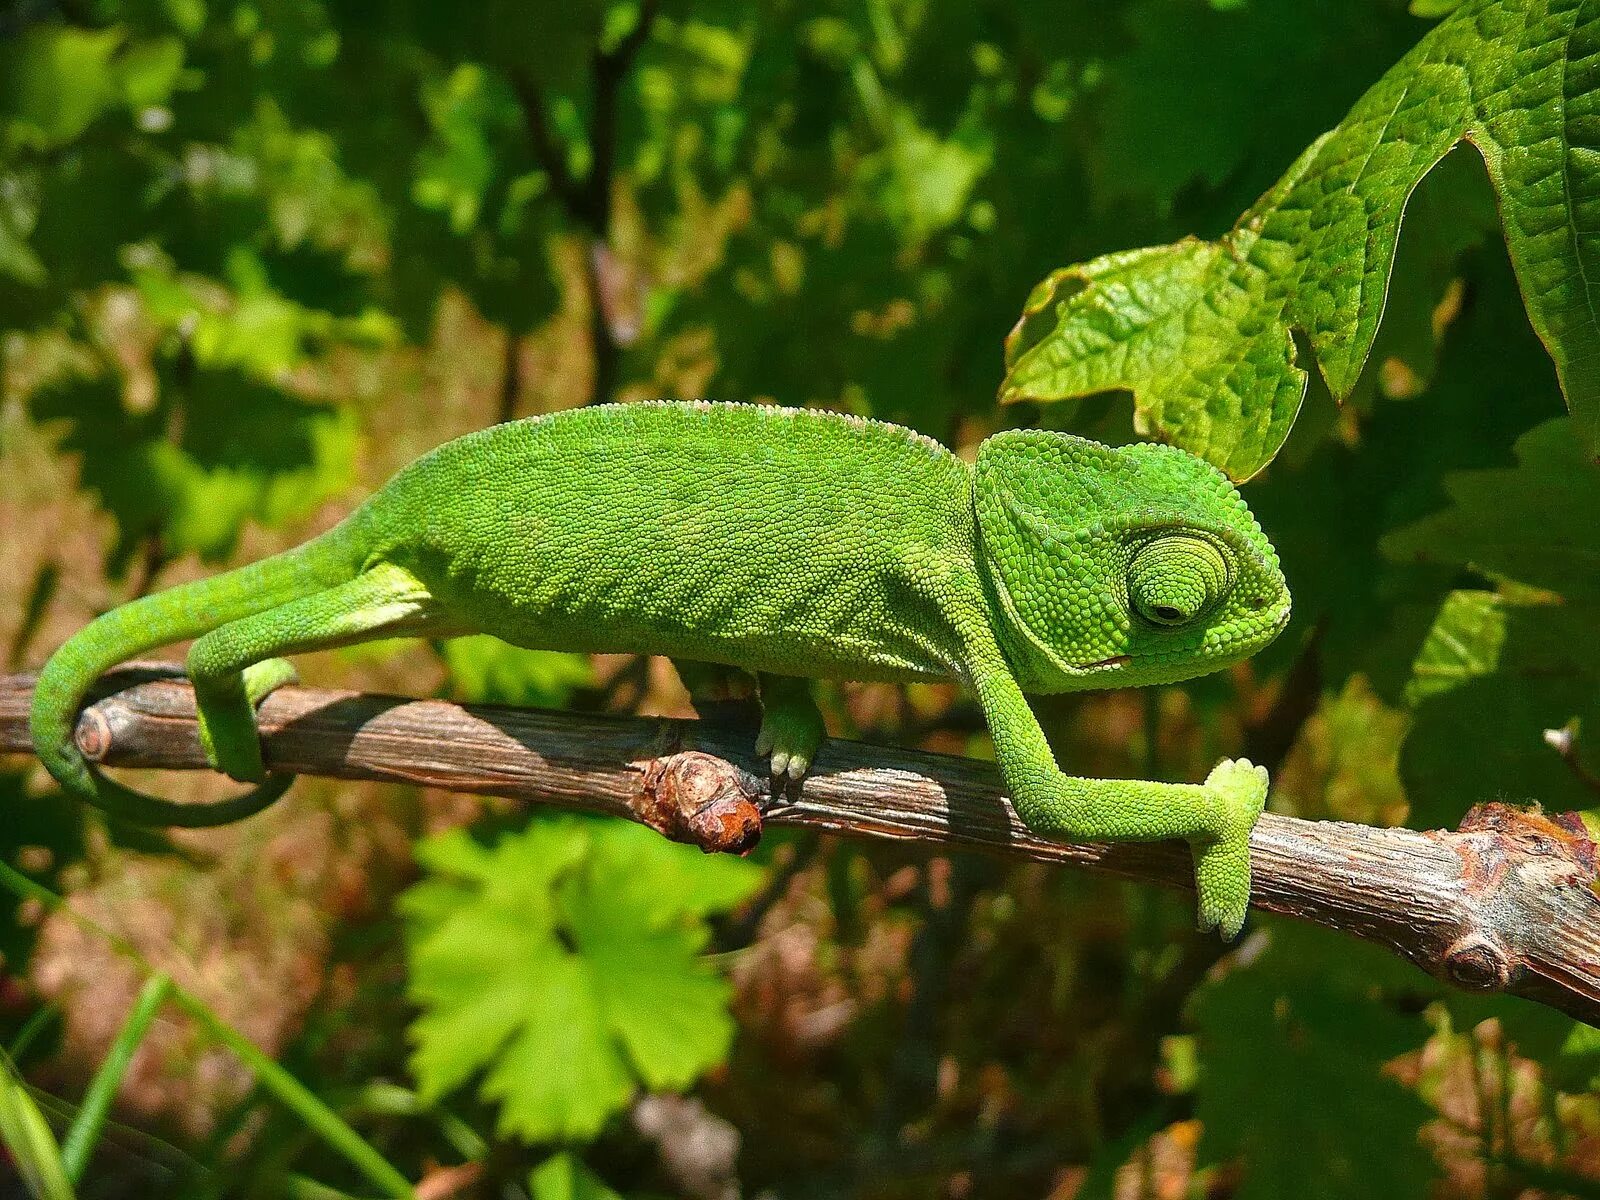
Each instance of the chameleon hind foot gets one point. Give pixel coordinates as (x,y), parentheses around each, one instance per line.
(234,747)
(791,725)
(1222,862)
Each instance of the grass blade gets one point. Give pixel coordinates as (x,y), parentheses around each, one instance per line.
(27,1137)
(284,1087)
(91,1119)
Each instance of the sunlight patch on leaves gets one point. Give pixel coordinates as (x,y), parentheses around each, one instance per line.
(1202,332)
(563,963)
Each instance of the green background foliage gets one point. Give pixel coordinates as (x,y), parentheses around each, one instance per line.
(257,254)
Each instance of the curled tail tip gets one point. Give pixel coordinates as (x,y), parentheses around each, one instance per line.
(124,804)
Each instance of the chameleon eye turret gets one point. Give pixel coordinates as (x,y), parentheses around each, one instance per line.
(1174,580)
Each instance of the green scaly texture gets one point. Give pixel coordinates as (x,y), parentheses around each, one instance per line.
(788,543)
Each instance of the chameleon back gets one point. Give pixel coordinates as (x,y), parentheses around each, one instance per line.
(785,540)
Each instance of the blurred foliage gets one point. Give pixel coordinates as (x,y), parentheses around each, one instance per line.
(256,254)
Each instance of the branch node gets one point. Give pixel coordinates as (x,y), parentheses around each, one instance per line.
(1478,963)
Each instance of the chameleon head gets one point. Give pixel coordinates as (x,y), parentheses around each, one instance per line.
(1119,567)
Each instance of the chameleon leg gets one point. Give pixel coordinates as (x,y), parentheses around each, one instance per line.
(235,665)
(1214,817)
(791,725)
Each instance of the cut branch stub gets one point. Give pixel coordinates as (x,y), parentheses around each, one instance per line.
(701,799)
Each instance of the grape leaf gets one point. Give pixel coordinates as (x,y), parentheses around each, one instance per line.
(563,962)
(1203,332)
(1497,669)
(564,1177)
(1292,1047)
(1494,674)
(19,211)
(1462,644)
(1537,523)
(488,671)
(1168,127)
(246,451)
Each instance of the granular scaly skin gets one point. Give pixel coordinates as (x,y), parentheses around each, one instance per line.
(790,544)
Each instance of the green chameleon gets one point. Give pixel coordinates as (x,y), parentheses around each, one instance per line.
(793,544)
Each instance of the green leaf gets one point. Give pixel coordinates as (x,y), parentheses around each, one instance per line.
(1498,669)
(563,963)
(1292,1046)
(19,211)
(246,451)
(1208,93)
(1202,332)
(54,81)
(1463,644)
(1537,523)
(486,670)
(1493,675)
(564,1177)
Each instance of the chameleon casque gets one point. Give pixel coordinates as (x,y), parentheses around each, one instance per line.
(793,544)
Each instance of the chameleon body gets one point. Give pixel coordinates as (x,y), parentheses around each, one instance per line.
(792,544)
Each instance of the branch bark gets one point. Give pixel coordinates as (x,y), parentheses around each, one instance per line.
(1506,903)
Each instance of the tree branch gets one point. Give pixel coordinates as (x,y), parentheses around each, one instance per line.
(1505,904)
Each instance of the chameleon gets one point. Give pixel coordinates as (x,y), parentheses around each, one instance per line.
(791,544)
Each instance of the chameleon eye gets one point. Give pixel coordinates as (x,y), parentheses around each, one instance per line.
(1173,580)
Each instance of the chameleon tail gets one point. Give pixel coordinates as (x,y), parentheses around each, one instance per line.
(174,615)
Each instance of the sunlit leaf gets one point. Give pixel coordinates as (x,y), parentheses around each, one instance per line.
(1201,332)
(563,963)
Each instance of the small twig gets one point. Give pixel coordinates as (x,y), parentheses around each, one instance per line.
(536,120)
(587,201)
(1504,904)
(1564,741)
(610,67)
(510,377)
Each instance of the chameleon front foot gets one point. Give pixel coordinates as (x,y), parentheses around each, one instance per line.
(1222,861)
(791,726)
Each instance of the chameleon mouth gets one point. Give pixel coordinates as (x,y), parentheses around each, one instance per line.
(1120,660)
